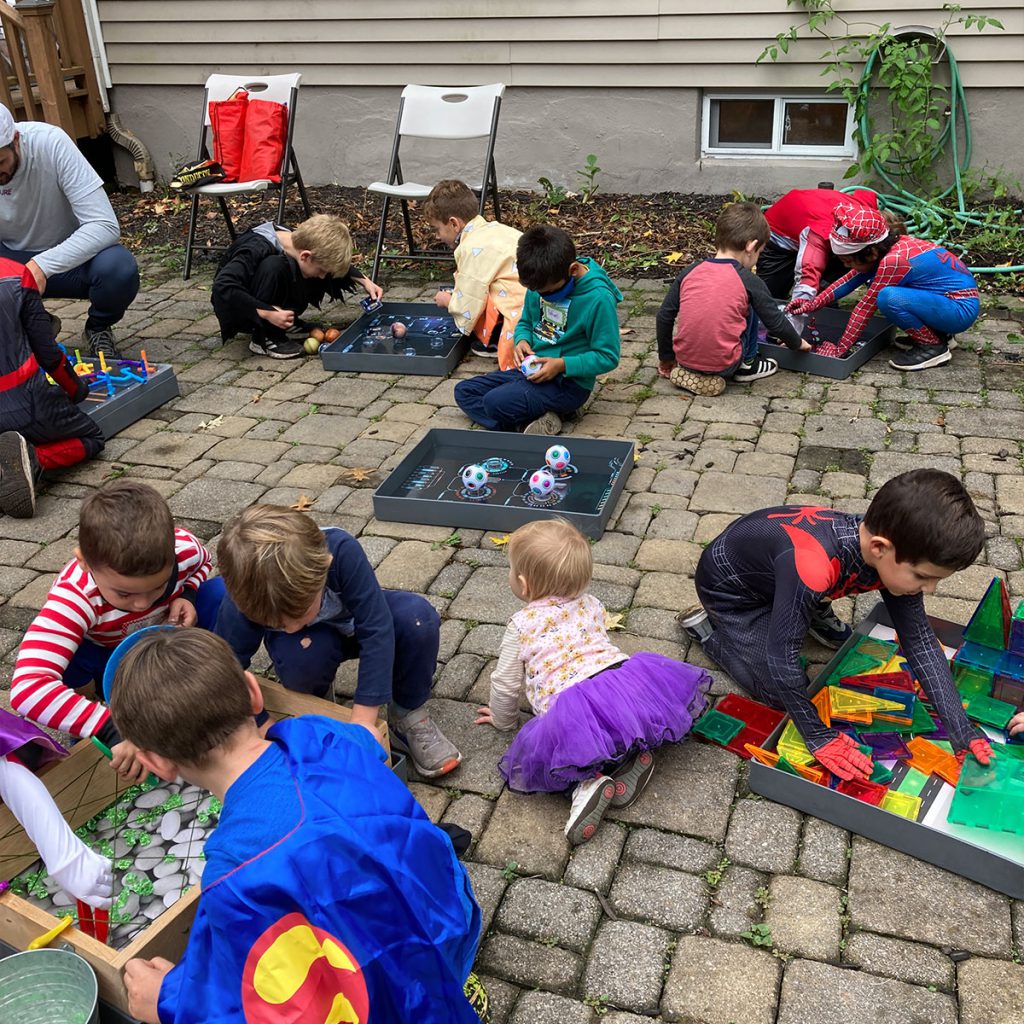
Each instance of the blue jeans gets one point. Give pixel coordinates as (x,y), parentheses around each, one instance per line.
(110,281)
(506,400)
(89,661)
(912,308)
(308,660)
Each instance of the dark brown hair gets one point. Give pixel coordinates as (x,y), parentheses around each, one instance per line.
(451,198)
(126,526)
(180,693)
(929,517)
(741,223)
(544,256)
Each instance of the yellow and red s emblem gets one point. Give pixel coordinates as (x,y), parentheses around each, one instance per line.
(297,973)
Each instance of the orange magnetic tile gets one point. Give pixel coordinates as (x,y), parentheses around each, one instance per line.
(823,706)
(857,717)
(927,757)
(949,772)
(772,760)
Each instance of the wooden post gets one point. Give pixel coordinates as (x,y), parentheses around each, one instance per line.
(76,57)
(40,36)
(14,32)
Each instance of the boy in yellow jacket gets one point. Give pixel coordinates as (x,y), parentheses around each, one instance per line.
(487,301)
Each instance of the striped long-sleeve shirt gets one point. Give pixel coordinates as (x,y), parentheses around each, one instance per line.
(74,611)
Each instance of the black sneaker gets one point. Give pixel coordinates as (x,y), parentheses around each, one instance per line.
(19,471)
(299,331)
(101,340)
(905,344)
(922,357)
(758,367)
(478,348)
(828,629)
(276,348)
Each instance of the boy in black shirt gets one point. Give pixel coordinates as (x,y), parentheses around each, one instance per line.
(765,577)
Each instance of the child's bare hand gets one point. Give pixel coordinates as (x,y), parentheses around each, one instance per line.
(1016,725)
(371,288)
(142,980)
(126,764)
(442,298)
(550,368)
(484,717)
(280,318)
(181,612)
(665,367)
(520,352)
(805,346)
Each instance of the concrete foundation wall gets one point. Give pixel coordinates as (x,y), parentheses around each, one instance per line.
(646,140)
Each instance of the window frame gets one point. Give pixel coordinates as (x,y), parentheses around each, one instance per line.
(777,149)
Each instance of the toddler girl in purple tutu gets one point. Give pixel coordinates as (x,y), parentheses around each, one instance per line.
(598,713)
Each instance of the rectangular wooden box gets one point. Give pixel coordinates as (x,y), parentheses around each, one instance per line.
(82,785)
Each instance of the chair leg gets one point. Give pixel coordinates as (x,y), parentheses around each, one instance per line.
(302,188)
(408,226)
(280,202)
(380,238)
(227,217)
(193,217)
(494,192)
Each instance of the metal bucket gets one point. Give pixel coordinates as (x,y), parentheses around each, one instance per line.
(47,986)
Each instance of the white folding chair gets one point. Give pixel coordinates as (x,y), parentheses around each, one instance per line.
(277,89)
(450,114)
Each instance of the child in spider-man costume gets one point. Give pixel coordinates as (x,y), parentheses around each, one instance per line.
(922,288)
(765,579)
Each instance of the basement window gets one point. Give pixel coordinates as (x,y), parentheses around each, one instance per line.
(760,125)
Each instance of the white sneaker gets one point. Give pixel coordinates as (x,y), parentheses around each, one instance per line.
(589,802)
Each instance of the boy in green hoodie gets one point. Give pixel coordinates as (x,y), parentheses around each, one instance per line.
(570,329)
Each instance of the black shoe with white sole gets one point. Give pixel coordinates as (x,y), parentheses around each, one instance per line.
(758,367)
(19,471)
(921,357)
(275,348)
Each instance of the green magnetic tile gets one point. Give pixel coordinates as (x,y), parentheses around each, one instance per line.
(990,797)
(990,711)
(922,722)
(882,650)
(785,766)
(913,782)
(970,680)
(718,727)
(990,623)
(879,773)
(854,664)
(1014,750)
(944,745)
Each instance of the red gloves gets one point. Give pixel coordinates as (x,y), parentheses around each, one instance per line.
(799,306)
(842,758)
(72,385)
(980,749)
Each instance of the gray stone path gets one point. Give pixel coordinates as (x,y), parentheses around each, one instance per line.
(649,919)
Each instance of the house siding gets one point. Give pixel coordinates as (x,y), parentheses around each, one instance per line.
(638,58)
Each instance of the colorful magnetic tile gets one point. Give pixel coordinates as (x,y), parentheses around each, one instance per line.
(854,664)
(784,766)
(989,711)
(880,774)
(761,721)
(926,757)
(990,623)
(857,701)
(872,680)
(719,728)
(903,804)
(905,716)
(1011,665)
(1010,690)
(970,680)
(1013,747)
(774,761)
(869,792)
(881,650)
(913,782)
(823,706)
(990,796)
(1016,642)
(888,746)
(978,656)
(949,771)
(791,744)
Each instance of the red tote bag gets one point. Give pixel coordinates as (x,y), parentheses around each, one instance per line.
(227,119)
(266,132)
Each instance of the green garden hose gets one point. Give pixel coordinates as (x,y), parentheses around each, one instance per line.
(925,217)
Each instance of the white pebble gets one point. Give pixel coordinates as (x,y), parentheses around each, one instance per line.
(150,857)
(169,883)
(192,849)
(165,868)
(154,910)
(171,898)
(170,826)
(150,799)
(191,834)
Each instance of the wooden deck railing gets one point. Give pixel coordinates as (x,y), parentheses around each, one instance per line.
(46,68)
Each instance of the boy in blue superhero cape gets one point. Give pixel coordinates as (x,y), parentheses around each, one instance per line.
(327,894)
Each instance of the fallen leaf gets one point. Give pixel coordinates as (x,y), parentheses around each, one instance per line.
(626,331)
(613,621)
(304,504)
(940,421)
(500,542)
(256,397)
(357,474)
(210,424)
(673,257)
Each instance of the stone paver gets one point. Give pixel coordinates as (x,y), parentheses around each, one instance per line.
(648,918)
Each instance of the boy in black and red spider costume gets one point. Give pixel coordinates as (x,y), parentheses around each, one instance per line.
(922,288)
(41,426)
(768,576)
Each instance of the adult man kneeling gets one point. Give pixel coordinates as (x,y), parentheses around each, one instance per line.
(56,219)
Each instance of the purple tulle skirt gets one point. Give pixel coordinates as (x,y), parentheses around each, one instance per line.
(16,732)
(638,705)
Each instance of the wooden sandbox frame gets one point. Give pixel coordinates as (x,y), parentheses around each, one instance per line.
(83,784)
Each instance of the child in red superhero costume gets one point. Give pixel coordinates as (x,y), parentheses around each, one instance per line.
(765,580)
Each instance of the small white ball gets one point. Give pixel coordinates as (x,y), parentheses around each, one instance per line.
(557,457)
(474,478)
(530,365)
(542,483)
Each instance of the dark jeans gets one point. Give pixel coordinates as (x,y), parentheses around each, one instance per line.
(110,281)
(308,660)
(89,661)
(506,400)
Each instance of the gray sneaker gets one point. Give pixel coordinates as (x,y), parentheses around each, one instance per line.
(101,341)
(549,424)
(19,471)
(430,751)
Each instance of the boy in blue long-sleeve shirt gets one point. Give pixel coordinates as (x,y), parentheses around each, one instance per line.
(311,597)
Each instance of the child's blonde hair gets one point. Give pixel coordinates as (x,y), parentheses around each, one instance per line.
(274,561)
(327,238)
(553,557)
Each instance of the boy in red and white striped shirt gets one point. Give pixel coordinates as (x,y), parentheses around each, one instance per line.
(132,569)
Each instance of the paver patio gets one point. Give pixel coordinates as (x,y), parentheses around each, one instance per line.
(646,920)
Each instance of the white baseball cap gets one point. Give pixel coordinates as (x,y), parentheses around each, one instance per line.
(7,127)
